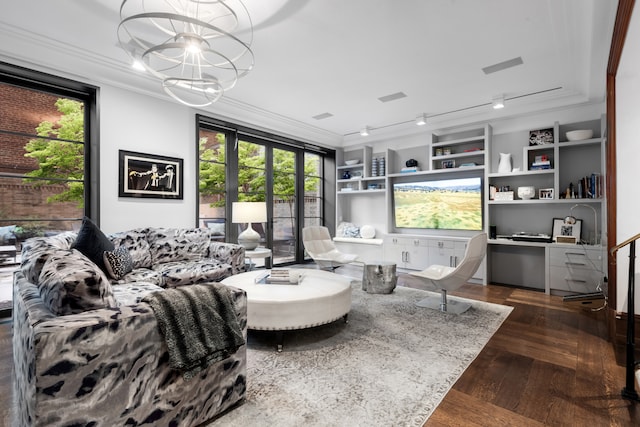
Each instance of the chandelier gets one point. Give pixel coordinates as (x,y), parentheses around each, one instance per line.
(197,48)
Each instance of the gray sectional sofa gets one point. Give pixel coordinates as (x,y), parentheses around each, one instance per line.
(87,348)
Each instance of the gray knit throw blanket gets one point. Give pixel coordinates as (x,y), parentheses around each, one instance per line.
(199,325)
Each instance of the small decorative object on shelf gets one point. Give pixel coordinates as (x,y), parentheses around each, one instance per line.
(346,175)
(438,151)
(541,137)
(545,193)
(446,151)
(527,192)
(374,167)
(504,165)
(503,195)
(541,162)
(447,164)
(381,166)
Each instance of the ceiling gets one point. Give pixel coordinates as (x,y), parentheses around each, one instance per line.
(339,57)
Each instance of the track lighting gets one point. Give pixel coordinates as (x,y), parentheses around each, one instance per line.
(365,131)
(421,120)
(498,102)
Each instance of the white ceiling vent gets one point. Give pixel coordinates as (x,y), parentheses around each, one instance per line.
(503,65)
(322,116)
(392,97)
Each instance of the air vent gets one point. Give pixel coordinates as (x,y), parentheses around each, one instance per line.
(503,65)
(323,116)
(392,97)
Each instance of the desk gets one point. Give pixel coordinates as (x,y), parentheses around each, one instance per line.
(257,253)
(556,268)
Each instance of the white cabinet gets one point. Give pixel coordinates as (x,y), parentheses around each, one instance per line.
(575,269)
(407,252)
(421,252)
(445,252)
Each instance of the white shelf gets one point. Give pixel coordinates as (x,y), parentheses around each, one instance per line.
(522,173)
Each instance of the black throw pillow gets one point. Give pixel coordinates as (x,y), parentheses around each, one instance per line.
(92,242)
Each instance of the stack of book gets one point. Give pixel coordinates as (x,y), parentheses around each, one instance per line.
(541,162)
(410,170)
(277,276)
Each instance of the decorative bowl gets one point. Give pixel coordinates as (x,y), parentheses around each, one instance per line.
(351,162)
(526,193)
(579,135)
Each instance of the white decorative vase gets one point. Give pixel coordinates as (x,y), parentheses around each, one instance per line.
(504,165)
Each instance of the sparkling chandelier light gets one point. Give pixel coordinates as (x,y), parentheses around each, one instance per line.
(198,48)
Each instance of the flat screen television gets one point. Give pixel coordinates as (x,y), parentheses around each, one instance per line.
(447,204)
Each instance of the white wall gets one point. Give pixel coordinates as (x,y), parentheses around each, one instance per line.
(627,158)
(133,122)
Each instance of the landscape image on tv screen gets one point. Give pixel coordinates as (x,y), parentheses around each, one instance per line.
(450,204)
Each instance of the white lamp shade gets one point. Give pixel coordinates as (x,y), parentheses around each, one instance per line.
(249,212)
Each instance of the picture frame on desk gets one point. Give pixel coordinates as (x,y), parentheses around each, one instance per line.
(564,232)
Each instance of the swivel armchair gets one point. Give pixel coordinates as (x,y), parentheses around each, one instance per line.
(446,278)
(318,244)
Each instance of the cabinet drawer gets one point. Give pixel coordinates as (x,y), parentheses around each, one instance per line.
(405,241)
(574,279)
(575,257)
(441,243)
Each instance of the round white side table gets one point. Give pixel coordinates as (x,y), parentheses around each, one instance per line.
(257,253)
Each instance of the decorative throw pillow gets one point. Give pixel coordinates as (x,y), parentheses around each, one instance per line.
(70,283)
(118,262)
(92,243)
(347,229)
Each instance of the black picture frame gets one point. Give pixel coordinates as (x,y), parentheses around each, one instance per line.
(150,176)
(541,137)
(560,228)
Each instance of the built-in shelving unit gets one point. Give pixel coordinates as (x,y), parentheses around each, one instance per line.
(555,166)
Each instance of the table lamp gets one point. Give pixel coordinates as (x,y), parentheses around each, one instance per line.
(249,212)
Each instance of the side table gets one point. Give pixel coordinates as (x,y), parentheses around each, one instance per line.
(257,253)
(379,277)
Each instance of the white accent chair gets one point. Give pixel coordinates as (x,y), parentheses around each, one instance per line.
(319,245)
(447,278)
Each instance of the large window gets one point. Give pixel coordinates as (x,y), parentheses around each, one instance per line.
(47,144)
(44,154)
(241,165)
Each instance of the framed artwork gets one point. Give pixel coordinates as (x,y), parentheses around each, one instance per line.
(545,193)
(448,164)
(150,176)
(562,228)
(541,137)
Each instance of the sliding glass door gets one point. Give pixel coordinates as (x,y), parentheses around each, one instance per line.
(238,166)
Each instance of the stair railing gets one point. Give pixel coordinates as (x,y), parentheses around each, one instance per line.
(629,390)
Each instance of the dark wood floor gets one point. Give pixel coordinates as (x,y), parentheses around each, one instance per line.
(547,365)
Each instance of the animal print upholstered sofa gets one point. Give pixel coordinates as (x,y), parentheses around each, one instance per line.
(87,350)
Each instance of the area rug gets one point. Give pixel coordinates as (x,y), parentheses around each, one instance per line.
(390,365)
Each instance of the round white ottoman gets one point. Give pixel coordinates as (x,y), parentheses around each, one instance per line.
(320,297)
